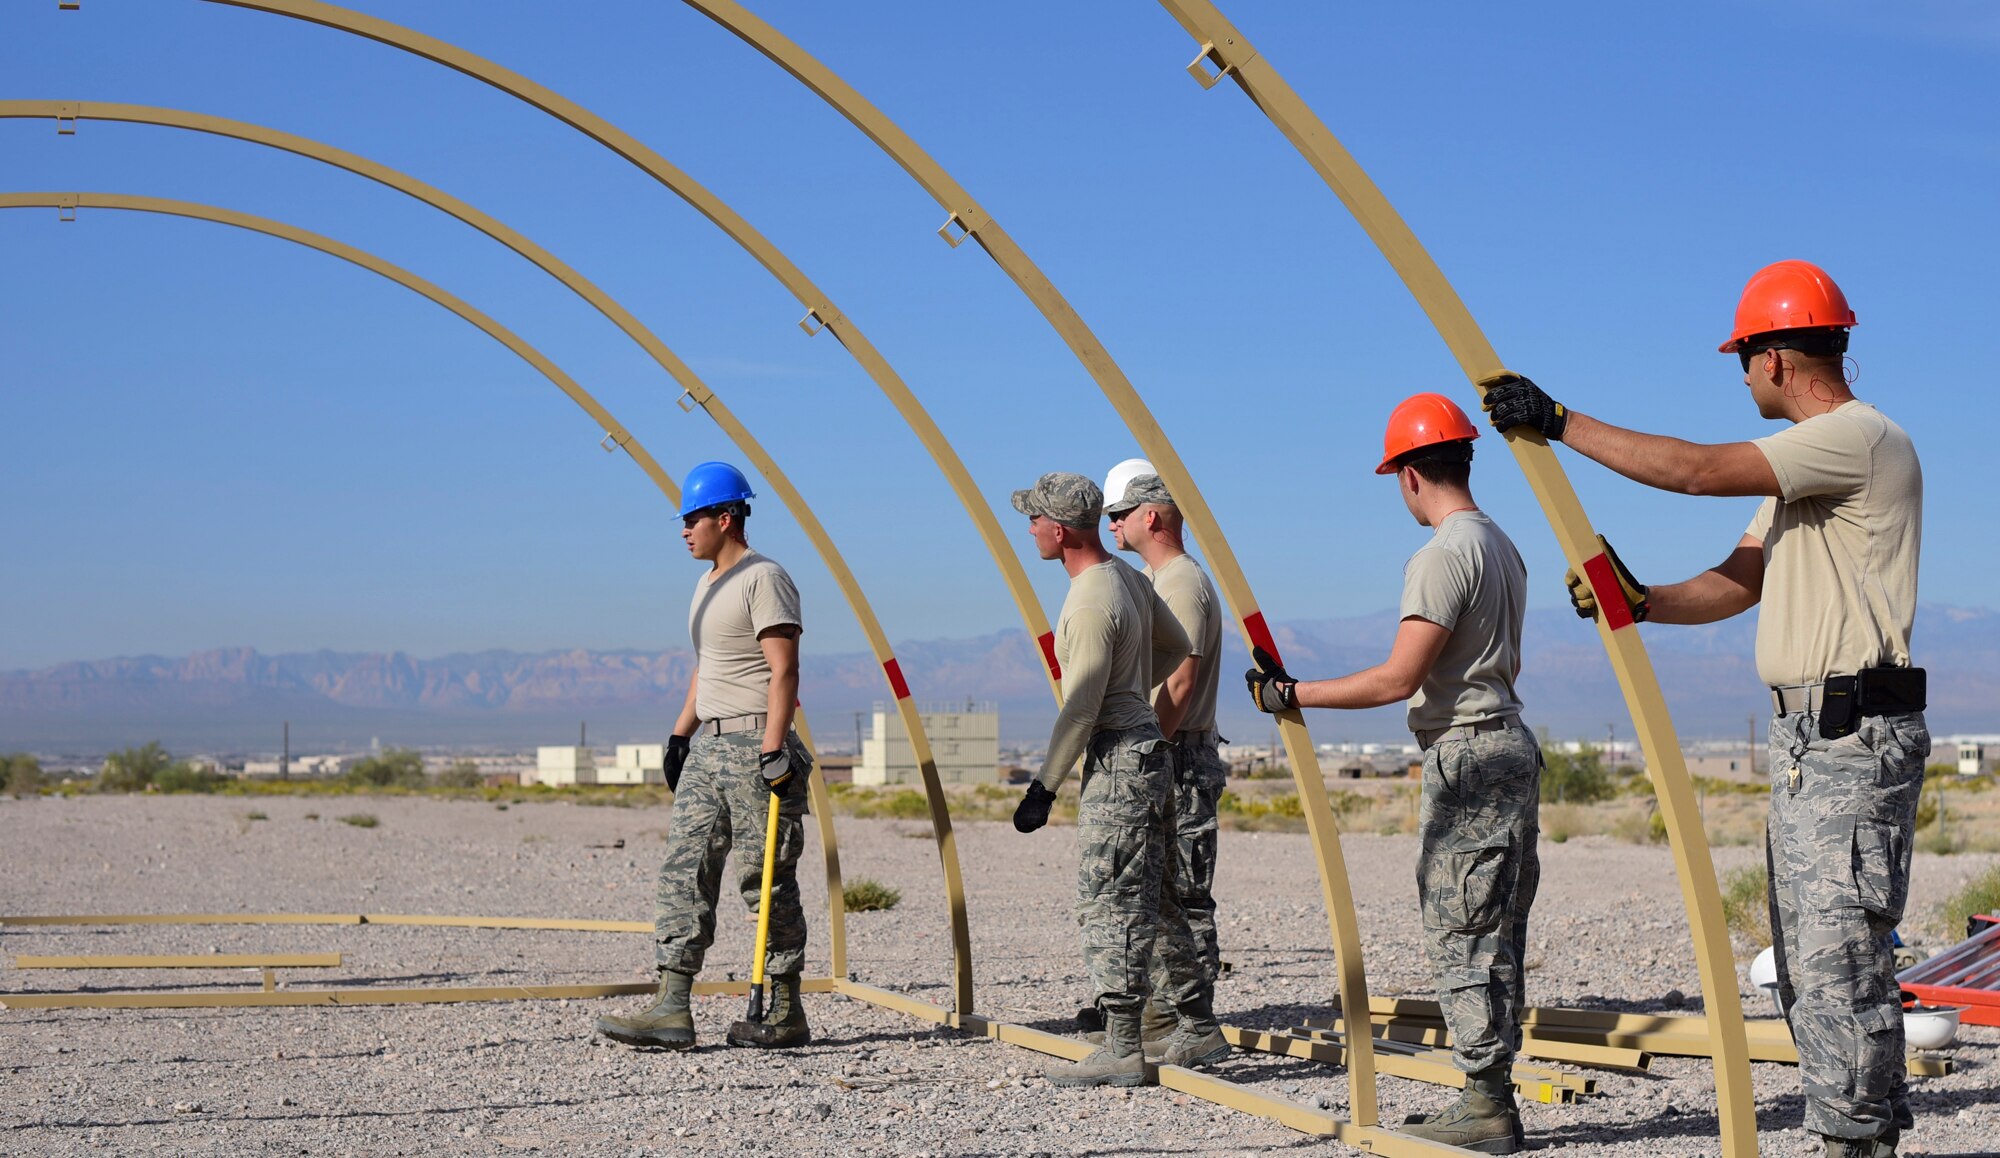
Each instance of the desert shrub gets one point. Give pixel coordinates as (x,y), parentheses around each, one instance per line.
(462,774)
(1640,826)
(20,774)
(181,776)
(1746,906)
(1562,821)
(393,768)
(866,895)
(1575,777)
(133,769)
(255,816)
(312,816)
(360,819)
(1981,895)
(1939,841)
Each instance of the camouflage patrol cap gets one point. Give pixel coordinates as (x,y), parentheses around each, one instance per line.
(1147,488)
(1069,499)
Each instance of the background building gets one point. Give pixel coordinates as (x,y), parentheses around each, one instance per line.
(965,742)
(569,764)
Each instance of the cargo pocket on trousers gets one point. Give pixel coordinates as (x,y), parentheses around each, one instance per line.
(1465,890)
(1881,865)
(1878,1050)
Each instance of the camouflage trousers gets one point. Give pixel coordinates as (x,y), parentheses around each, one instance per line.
(1124,903)
(1843,817)
(1198,777)
(722,804)
(1477,872)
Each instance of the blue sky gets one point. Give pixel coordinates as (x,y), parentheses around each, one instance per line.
(212,438)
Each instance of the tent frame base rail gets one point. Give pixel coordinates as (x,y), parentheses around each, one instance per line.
(420,995)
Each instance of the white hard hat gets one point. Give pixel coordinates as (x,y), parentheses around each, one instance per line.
(1764,970)
(1121,476)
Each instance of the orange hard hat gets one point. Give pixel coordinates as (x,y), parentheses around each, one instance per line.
(1423,420)
(1788,295)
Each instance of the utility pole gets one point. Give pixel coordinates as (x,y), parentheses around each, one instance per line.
(1751,762)
(285,761)
(583,733)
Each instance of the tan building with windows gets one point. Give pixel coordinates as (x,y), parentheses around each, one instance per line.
(965,742)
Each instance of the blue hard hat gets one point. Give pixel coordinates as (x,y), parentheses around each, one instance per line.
(712,484)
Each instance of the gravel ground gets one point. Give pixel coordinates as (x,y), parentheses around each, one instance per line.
(507,1078)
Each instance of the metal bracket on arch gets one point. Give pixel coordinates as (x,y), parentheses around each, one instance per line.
(961,225)
(66,207)
(612,441)
(1221,58)
(819,318)
(66,114)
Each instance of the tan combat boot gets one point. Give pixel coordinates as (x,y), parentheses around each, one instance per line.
(1483,1120)
(1197,1038)
(1118,1062)
(665,1024)
(784,1024)
(1157,1023)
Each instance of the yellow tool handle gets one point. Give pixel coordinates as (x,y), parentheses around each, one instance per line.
(764,896)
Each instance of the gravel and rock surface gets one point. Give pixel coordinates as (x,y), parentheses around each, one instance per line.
(529,1077)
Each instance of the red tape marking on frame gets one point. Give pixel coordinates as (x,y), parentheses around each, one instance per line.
(1048,641)
(895,673)
(1260,635)
(1610,596)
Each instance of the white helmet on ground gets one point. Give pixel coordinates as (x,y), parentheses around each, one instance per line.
(1122,476)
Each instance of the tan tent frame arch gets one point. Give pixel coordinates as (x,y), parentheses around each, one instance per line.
(1226,52)
(615,436)
(1637,681)
(1307,776)
(68,112)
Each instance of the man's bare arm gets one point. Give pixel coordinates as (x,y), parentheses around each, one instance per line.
(1418,645)
(1727,589)
(1672,464)
(781,651)
(1171,703)
(684,724)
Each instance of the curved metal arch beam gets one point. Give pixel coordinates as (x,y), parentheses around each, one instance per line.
(1225,51)
(1118,389)
(614,432)
(682,374)
(821,312)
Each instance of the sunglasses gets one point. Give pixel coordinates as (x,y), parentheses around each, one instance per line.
(1119,516)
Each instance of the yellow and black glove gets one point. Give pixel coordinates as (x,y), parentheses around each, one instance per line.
(1516,401)
(777,771)
(1272,688)
(1584,599)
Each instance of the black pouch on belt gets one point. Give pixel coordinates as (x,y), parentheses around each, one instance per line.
(1837,714)
(1892,691)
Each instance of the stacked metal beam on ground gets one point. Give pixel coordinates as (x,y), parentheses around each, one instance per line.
(1966,974)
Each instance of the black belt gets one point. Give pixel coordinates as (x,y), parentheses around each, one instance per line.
(1841,701)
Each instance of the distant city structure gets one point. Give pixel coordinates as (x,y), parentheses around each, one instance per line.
(636,764)
(1975,754)
(577,764)
(965,742)
(568,764)
(302,767)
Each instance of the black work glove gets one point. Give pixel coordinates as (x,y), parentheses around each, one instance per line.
(1272,688)
(677,758)
(1033,811)
(1584,599)
(1515,401)
(777,771)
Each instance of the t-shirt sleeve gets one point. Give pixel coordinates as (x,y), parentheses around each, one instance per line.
(1436,587)
(1760,524)
(1188,604)
(1087,672)
(1824,455)
(774,600)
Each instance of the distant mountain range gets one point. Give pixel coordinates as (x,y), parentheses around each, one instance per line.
(235,699)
